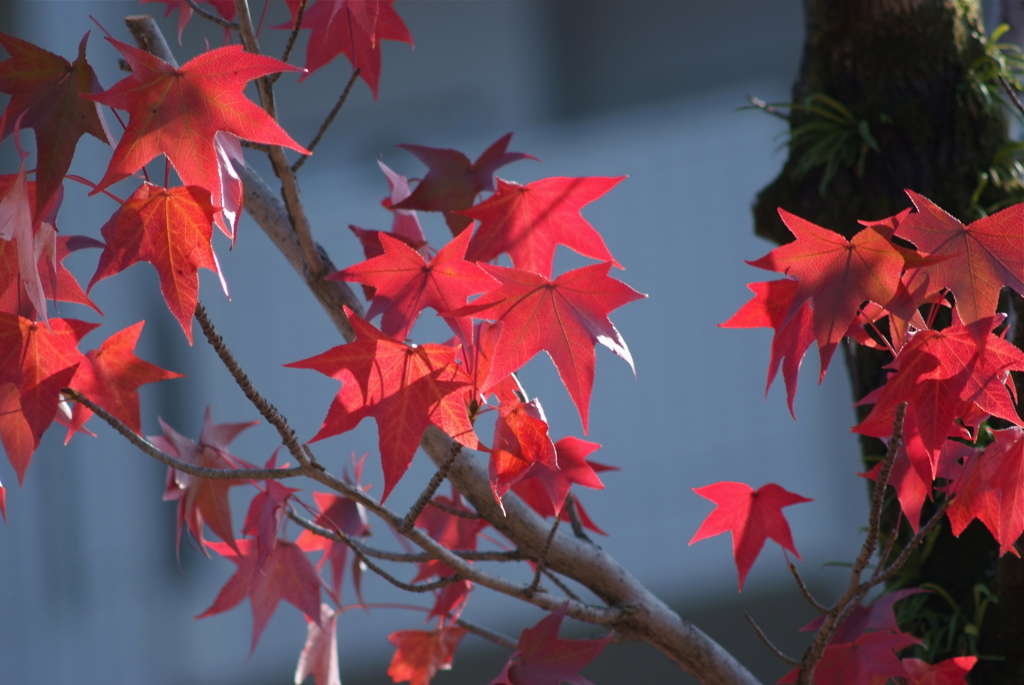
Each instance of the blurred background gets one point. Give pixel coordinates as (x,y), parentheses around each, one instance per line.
(90,589)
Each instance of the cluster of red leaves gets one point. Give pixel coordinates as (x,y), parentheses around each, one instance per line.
(952,379)
(194,117)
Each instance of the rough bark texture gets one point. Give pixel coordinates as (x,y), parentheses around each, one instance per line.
(902,67)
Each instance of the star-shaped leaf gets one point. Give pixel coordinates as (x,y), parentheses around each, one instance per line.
(752,516)
(171,229)
(203,500)
(404,388)
(565,317)
(45,92)
(528,222)
(545,659)
(286,574)
(419,654)
(453,182)
(836,275)
(178,111)
(975,261)
(405,283)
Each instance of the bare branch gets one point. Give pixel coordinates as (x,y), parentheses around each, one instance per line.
(265,408)
(432,486)
(208,16)
(804,591)
(289,188)
(328,120)
(292,37)
(768,643)
(197,471)
(543,555)
(488,634)
(148,37)
(454,511)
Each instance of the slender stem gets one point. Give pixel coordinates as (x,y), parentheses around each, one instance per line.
(432,486)
(487,634)
(289,187)
(561,584)
(804,591)
(574,518)
(265,408)
(543,555)
(184,467)
(454,511)
(328,120)
(1017,104)
(292,37)
(209,16)
(768,643)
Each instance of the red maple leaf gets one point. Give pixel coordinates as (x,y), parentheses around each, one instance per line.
(45,94)
(770,308)
(419,654)
(36,362)
(203,500)
(32,242)
(453,182)
(405,284)
(751,516)
(345,515)
(319,656)
(286,574)
(404,388)
(171,229)
(974,261)
(871,656)
(226,9)
(520,440)
(991,489)
(528,222)
(565,318)
(941,375)
(58,285)
(545,488)
(354,28)
(949,672)
(454,532)
(111,376)
(178,111)
(836,275)
(266,512)
(545,659)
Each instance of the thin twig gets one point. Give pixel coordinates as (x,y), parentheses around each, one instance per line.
(408,587)
(184,467)
(574,518)
(402,557)
(887,550)
(432,486)
(289,187)
(765,107)
(768,643)
(208,16)
(1018,105)
(543,556)
(454,511)
(328,120)
(265,408)
(292,37)
(561,584)
(926,530)
(804,591)
(260,147)
(487,634)
(856,590)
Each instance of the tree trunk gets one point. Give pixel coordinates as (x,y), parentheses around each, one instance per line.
(898,73)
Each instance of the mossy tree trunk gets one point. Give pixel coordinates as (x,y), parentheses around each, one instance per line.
(916,116)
